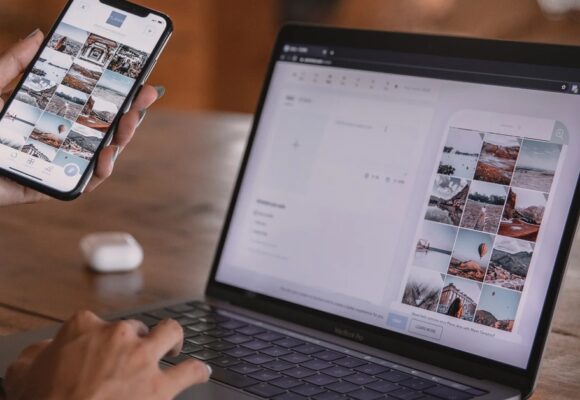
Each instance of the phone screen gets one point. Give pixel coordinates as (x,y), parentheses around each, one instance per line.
(77,87)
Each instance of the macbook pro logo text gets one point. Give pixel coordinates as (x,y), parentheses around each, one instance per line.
(116,19)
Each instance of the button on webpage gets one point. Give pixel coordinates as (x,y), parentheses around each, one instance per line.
(425,329)
(71,170)
(397,321)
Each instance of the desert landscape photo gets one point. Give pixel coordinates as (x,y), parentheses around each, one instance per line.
(83,76)
(509,263)
(498,159)
(523,214)
(461,153)
(447,200)
(484,206)
(423,289)
(497,308)
(68,40)
(434,246)
(471,254)
(537,165)
(51,130)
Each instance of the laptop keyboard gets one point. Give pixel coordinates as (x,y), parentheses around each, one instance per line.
(273,365)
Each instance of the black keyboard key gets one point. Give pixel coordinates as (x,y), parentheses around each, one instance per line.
(278,365)
(190,348)
(342,387)
(316,365)
(371,369)
(264,375)
(288,342)
(329,355)
(258,359)
(232,378)
(307,390)
(220,346)
(147,320)
(201,340)
(206,355)
(214,318)
(365,394)
(245,368)
(256,345)
(308,349)
(219,333)
(184,321)
(330,396)
(265,390)
(382,386)
(276,351)
(239,352)
(299,372)
(320,379)
(269,336)
(238,339)
(447,393)
(225,362)
(406,394)
(338,372)
(360,379)
(417,384)
(394,376)
(163,314)
(201,327)
(187,334)
(232,324)
(296,358)
(195,314)
(286,382)
(250,330)
(350,362)
(476,392)
(181,308)
(290,396)
(177,359)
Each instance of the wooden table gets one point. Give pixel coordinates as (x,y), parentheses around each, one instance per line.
(171,190)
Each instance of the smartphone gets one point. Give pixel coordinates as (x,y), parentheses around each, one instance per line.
(65,109)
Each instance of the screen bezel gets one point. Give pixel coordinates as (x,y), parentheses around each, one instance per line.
(439,355)
(124,6)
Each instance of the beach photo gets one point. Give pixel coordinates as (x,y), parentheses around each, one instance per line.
(423,289)
(98,50)
(63,159)
(128,62)
(471,254)
(51,130)
(461,153)
(52,65)
(67,103)
(509,263)
(36,91)
(497,308)
(484,206)
(523,214)
(68,40)
(83,76)
(17,124)
(433,249)
(82,141)
(498,159)
(459,298)
(447,200)
(537,165)
(39,150)
(113,88)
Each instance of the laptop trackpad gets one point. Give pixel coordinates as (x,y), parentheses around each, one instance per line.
(213,391)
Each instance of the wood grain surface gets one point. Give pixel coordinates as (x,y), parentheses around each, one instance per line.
(171,189)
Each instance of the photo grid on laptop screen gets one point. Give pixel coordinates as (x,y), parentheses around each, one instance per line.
(429,207)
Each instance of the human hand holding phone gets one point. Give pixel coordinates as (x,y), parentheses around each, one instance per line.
(12,64)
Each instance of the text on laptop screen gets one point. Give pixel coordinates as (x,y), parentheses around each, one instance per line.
(430,206)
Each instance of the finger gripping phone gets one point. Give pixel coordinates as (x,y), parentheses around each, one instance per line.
(65,109)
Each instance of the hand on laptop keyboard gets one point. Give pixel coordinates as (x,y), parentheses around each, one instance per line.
(114,360)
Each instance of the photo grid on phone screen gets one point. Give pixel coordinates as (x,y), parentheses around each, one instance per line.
(483,217)
(71,98)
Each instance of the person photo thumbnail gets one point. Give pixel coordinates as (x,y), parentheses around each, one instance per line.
(36,91)
(484,206)
(17,124)
(459,298)
(509,263)
(537,165)
(67,103)
(83,76)
(434,246)
(51,130)
(423,289)
(523,214)
(471,254)
(498,159)
(113,88)
(52,65)
(68,40)
(447,200)
(128,62)
(98,50)
(497,308)
(82,141)
(39,150)
(461,153)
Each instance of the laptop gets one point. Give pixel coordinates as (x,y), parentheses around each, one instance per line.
(400,226)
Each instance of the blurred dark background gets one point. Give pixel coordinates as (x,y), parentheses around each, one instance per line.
(218,55)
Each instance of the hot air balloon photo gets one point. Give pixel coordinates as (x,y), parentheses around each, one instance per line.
(471,255)
(497,308)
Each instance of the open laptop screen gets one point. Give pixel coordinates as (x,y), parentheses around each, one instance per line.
(419,194)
